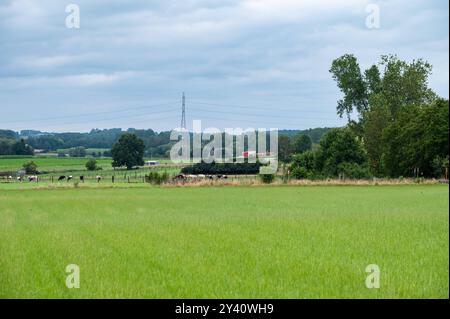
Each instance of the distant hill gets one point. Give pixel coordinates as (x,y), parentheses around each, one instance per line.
(8,134)
(314,133)
(157,144)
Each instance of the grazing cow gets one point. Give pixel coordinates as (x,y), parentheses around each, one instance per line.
(82,179)
(99,178)
(33,178)
(61,178)
(19,178)
(180,177)
(69,177)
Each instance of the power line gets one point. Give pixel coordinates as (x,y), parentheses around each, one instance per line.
(261,115)
(269,108)
(91,114)
(255,121)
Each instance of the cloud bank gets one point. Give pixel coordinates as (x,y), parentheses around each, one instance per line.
(233,59)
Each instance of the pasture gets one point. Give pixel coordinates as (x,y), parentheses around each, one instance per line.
(50,164)
(225,242)
(51,168)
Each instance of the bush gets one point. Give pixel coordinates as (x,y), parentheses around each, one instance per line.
(354,171)
(30,167)
(267,178)
(439,165)
(91,165)
(300,173)
(157,178)
(303,166)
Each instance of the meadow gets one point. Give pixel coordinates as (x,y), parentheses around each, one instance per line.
(225,242)
(52,164)
(51,168)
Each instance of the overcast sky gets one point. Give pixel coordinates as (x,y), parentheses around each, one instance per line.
(242,63)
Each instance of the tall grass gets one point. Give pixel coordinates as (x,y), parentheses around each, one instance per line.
(230,242)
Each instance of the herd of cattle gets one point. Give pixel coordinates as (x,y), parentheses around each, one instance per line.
(35,178)
(184,177)
(180,177)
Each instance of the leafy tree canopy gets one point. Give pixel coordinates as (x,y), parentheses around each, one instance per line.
(128,151)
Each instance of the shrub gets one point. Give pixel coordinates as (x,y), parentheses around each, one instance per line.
(303,165)
(300,173)
(267,178)
(354,171)
(91,165)
(157,178)
(30,167)
(439,165)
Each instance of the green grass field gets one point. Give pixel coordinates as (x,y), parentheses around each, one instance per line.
(225,242)
(50,163)
(54,166)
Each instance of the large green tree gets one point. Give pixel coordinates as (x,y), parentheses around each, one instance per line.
(21,148)
(418,139)
(347,74)
(339,148)
(128,151)
(398,83)
(378,96)
(284,148)
(301,143)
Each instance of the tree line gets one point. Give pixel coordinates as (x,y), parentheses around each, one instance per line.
(397,126)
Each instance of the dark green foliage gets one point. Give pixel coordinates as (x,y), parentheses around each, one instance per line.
(301,143)
(402,123)
(267,178)
(79,151)
(156,144)
(91,165)
(440,166)
(416,139)
(299,172)
(157,178)
(353,171)
(284,148)
(347,74)
(21,148)
(303,165)
(128,151)
(30,167)
(9,146)
(223,168)
(46,142)
(339,146)
(8,134)
(373,126)
(6,146)
(314,133)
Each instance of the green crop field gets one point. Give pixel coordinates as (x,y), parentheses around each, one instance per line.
(230,242)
